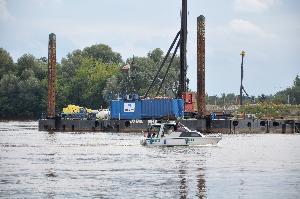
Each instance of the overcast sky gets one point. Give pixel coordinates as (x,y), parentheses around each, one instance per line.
(268,30)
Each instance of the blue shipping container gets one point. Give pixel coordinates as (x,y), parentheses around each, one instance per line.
(180,107)
(125,110)
(161,108)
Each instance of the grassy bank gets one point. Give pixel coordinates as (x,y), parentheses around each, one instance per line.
(271,110)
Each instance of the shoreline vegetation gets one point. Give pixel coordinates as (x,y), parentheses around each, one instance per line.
(272,111)
(93,76)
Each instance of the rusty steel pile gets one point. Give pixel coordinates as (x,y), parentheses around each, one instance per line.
(51,75)
(201,66)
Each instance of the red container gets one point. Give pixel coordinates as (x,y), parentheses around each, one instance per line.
(190,101)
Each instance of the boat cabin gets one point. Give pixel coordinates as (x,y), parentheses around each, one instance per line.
(159,130)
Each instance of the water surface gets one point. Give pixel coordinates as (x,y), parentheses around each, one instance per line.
(37,164)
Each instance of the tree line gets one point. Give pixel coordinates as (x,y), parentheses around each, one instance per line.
(92,77)
(89,78)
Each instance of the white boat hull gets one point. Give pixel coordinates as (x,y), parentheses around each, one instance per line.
(181,141)
(176,134)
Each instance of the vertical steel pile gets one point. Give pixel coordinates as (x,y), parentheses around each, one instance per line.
(201,66)
(51,75)
(242,77)
(183,38)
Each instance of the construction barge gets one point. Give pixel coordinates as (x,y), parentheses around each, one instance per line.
(186,105)
(224,126)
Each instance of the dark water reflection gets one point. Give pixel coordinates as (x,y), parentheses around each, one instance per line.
(201,184)
(105,165)
(183,185)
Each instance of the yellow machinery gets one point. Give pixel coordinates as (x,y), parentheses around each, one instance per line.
(77,112)
(71,109)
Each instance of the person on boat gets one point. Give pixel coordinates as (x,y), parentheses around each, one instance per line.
(179,127)
(176,126)
(213,116)
(148,133)
(169,130)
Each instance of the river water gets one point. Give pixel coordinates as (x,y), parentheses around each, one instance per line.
(37,164)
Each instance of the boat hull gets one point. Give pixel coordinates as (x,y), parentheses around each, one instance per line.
(182,141)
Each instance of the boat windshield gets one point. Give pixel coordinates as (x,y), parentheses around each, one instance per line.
(153,131)
(169,128)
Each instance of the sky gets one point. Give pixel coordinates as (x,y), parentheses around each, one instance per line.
(268,30)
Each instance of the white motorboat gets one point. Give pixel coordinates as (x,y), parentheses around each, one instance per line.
(176,134)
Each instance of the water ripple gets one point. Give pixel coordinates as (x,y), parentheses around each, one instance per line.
(37,164)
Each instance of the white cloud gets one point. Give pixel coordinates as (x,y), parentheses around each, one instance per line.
(128,39)
(103,31)
(241,26)
(253,5)
(4,14)
(45,3)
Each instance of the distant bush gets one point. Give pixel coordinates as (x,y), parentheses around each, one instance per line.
(270,110)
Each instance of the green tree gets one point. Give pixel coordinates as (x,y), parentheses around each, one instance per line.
(156,55)
(9,96)
(292,93)
(23,90)
(296,90)
(6,63)
(112,89)
(102,53)
(140,75)
(82,76)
